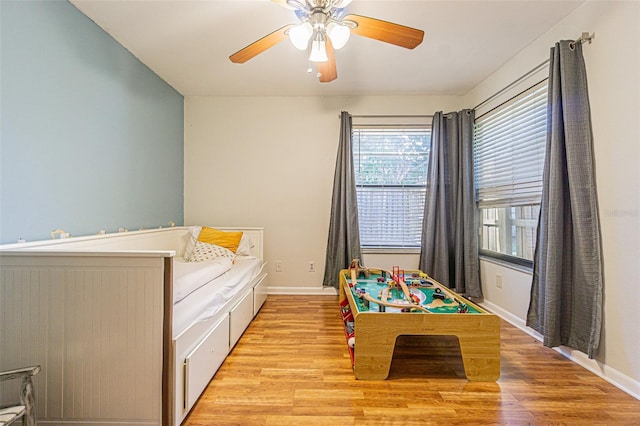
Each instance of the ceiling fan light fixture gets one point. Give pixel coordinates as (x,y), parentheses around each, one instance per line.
(342,3)
(339,34)
(322,23)
(300,35)
(296,5)
(318,50)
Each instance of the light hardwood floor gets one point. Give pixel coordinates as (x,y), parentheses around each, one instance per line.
(292,367)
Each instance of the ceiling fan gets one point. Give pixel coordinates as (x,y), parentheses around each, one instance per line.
(322,24)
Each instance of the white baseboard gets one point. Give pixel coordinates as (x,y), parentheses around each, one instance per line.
(309,291)
(611,375)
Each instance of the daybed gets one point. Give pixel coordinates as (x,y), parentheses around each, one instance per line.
(119,338)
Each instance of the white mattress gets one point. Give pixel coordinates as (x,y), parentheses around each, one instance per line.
(190,276)
(204,302)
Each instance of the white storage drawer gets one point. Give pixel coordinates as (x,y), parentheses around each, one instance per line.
(202,363)
(259,294)
(240,316)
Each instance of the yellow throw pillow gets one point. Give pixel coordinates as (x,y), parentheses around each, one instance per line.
(229,240)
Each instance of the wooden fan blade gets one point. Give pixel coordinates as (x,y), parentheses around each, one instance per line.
(327,70)
(259,46)
(386,31)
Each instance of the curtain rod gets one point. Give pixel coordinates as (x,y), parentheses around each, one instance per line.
(585,37)
(390,116)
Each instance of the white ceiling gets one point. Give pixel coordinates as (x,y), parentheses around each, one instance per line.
(188,43)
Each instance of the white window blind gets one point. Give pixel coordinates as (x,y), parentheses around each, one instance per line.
(391,175)
(509,150)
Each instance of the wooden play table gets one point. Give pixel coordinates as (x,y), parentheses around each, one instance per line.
(375,328)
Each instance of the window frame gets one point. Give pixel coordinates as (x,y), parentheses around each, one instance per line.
(514,199)
(516,260)
(390,123)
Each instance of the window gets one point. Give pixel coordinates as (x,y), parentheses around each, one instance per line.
(509,149)
(390,164)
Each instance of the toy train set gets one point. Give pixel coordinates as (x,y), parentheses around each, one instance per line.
(391,289)
(379,305)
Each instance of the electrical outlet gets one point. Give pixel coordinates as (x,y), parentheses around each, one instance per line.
(498,280)
(312,266)
(278,266)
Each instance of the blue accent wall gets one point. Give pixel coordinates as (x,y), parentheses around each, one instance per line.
(90,137)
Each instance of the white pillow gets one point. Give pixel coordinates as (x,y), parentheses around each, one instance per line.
(190,241)
(245,246)
(205,251)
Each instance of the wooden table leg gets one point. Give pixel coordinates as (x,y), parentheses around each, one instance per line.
(373,358)
(481,361)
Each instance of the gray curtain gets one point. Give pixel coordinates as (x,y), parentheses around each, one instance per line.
(566,293)
(449,251)
(344,234)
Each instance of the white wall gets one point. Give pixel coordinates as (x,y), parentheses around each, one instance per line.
(270,161)
(613,70)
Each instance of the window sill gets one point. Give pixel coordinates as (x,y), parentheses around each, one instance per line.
(506,264)
(390,250)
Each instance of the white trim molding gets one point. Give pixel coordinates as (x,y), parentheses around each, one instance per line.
(611,375)
(308,291)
